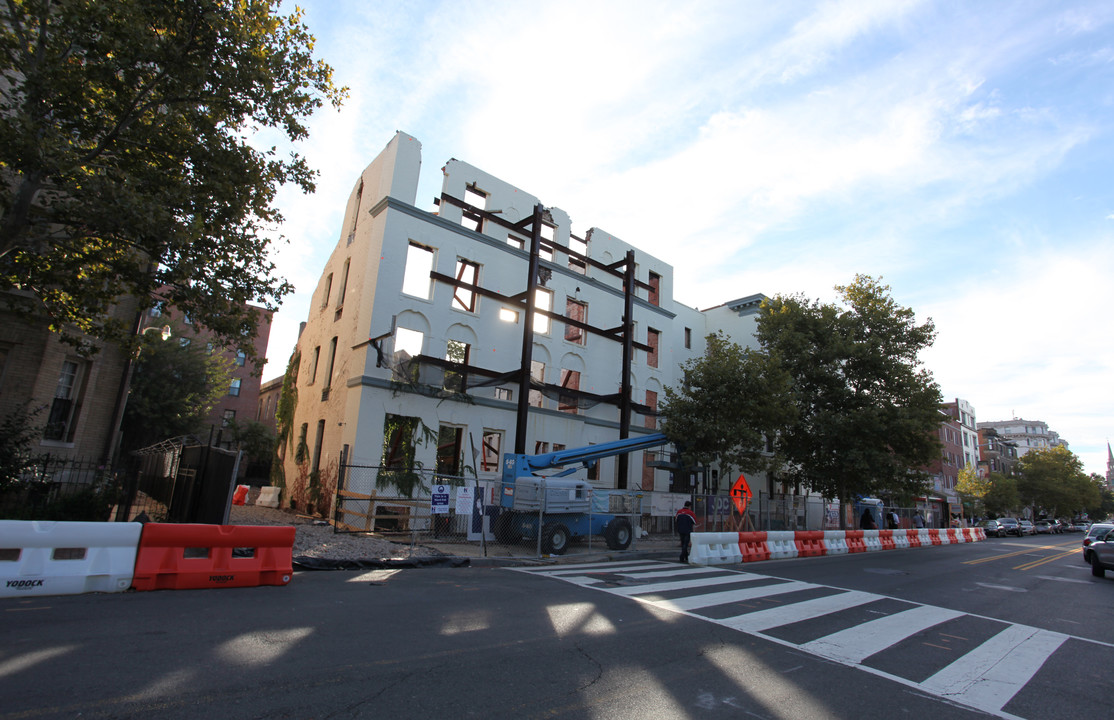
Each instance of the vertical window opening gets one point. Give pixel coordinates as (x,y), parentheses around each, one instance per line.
(449,450)
(543,300)
(492,450)
(456,379)
(464,298)
(577,311)
(570,380)
(537,376)
(415,279)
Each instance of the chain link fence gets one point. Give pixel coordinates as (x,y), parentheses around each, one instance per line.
(551,516)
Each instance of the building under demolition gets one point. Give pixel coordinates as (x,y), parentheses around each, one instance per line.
(442,340)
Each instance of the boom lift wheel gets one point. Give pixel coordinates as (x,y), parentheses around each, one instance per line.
(618,534)
(555,539)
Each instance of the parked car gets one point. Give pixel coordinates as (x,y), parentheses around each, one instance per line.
(1097,532)
(1080,525)
(1043,527)
(992,527)
(1027,527)
(1102,554)
(1009,526)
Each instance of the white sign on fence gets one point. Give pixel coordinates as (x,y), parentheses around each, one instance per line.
(464,497)
(666,504)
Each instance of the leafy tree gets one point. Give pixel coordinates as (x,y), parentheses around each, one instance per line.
(1002,497)
(1052,479)
(257,443)
(728,402)
(971,487)
(866,410)
(172,391)
(126,162)
(19,431)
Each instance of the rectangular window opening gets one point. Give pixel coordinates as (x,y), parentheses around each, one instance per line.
(415,279)
(464,298)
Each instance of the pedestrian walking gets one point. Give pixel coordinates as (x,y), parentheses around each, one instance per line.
(684,522)
(866,522)
(918,521)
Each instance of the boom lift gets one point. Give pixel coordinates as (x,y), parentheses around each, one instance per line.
(558,505)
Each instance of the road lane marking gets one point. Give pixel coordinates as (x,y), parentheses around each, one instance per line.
(990,675)
(857,643)
(696,602)
(1044,560)
(761,620)
(1028,549)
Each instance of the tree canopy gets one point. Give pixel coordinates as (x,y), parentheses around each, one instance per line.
(126,156)
(835,399)
(1052,479)
(728,402)
(1002,497)
(867,411)
(174,387)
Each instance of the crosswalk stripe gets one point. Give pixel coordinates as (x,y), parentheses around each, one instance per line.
(694,602)
(682,584)
(989,675)
(855,644)
(783,615)
(563,570)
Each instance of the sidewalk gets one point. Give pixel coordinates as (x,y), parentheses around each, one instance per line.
(500,555)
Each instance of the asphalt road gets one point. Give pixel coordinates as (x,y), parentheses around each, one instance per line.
(638,639)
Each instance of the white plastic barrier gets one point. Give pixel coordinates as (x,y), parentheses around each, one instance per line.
(269,497)
(782,544)
(835,542)
(66,558)
(901,539)
(871,540)
(923,536)
(721,548)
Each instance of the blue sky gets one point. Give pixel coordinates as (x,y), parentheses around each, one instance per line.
(961,151)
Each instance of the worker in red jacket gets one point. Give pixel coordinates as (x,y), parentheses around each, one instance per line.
(684,522)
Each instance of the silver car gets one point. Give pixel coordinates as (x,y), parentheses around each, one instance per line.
(1102,553)
(1097,532)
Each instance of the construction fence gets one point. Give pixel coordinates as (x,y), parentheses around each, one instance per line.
(423,507)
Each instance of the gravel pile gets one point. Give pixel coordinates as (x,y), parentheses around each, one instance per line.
(315,538)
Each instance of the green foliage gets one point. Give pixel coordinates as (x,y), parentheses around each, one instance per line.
(402,436)
(18,433)
(1052,479)
(866,411)
(173,388)
(284,417)
(254,438)
(728,402)
(1002,497)
(126,156)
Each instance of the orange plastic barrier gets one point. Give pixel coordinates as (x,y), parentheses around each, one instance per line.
(914,538)
(187,557)
(951,536)
(753,546)
(886,537)
(855,541)
(934,536)
(240,495)
(810,543)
